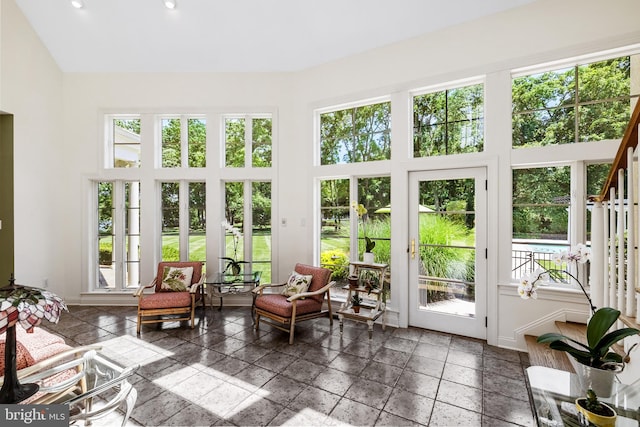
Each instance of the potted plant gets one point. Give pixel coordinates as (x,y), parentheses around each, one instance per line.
(597,413)
(356,300)
(353,281)
(232,264)
(597,362)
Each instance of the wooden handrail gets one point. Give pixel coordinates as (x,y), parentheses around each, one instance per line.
(630,139)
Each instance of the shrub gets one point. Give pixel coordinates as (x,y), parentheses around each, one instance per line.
(336,261)
(170,253)
(105,253)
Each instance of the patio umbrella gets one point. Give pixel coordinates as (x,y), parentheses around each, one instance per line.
(387,209)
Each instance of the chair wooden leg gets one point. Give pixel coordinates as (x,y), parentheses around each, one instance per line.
(293,322)
(257,320)
(139,322)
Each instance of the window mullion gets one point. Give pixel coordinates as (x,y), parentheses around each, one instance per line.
(184,141)
(248,141)
(119,230)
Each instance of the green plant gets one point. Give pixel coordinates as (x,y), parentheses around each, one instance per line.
(356,300)
(170,253)
(233,265)
(361,211)
(105,254)
(337,261)
(591,403)
(596,353)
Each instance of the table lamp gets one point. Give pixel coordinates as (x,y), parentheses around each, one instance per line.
(27,306)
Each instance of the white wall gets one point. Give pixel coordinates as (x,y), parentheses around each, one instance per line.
(57,128)
(32,91)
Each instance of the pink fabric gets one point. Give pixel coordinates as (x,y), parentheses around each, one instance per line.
(320,279)
(197,272)
(165,300)
(32,347)
(278,304)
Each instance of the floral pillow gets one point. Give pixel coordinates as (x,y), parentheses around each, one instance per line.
(297,284)
(176,279)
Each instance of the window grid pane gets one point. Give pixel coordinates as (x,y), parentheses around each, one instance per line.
(126,143)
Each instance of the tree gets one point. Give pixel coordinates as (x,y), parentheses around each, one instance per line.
(358,134)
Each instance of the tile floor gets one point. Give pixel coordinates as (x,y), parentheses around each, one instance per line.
(224,373)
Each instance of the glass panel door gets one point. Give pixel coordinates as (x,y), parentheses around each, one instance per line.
(447,251)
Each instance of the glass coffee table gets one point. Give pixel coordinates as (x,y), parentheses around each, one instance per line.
(553,394)
(225,284)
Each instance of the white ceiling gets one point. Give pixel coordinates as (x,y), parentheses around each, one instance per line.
(235,35)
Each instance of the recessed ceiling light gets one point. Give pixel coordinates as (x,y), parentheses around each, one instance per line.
(170,4)
(78,4)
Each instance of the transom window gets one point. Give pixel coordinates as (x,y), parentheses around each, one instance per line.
(357,134)
(123,142)
(184,142)
(248,141)
(585,102)
(449,122)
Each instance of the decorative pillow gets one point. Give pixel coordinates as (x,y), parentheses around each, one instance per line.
(176,279)
(297,284)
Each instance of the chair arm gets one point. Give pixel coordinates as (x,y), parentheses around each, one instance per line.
(194,288)
(258,290)
(320,291)
(141,289)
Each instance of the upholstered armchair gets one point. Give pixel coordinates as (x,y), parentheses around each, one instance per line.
(301,298)
(178,288)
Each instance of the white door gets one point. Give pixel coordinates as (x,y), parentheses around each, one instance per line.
(447,251)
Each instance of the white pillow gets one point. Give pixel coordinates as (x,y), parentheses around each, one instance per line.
(176,279)
(297,284)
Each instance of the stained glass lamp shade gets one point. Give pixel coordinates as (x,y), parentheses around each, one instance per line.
(26,306)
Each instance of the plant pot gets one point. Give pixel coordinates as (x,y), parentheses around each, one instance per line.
(601,381)
(356,308)
(599,420)
(367,257)
(353,282)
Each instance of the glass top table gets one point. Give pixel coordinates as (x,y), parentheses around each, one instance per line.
(224,284)
(95,375)
(554,392)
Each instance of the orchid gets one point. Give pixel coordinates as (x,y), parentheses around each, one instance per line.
(361,211)
(236,234)
(529,283)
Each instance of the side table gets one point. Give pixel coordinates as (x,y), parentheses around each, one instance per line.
(224,284)
(375,306)
(553,394)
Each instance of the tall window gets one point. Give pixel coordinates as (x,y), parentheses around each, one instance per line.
(184,142)
(449,122)
(586,102)
(335,230)
(183,221)
(250,134)
(123,142)
(118,238)
(358,134)
(197,222)
(248,234)
(541,202)
(342,232)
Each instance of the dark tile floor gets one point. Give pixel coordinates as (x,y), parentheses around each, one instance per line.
(223,372)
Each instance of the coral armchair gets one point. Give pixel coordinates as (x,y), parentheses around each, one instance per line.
(283,311)
(178,288)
